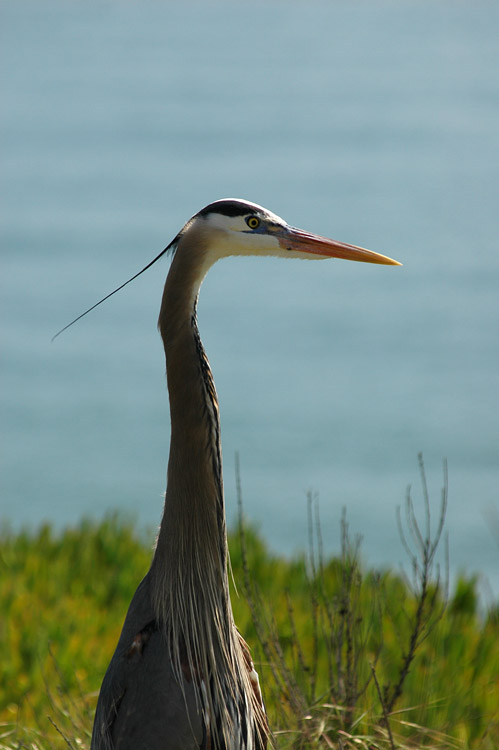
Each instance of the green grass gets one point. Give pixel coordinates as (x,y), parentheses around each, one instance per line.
(330,639)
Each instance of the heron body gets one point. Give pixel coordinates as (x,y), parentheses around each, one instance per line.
(181,676)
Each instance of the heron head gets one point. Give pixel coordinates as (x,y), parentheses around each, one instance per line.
(231,226)
(237,227)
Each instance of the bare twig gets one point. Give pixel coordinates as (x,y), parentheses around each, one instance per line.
(383,707)
(428,612)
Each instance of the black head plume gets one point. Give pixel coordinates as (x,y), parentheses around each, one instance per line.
(171,246)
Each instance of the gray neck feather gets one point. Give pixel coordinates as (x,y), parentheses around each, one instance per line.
(189,570)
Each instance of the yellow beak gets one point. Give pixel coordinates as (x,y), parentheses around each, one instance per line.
(313,244)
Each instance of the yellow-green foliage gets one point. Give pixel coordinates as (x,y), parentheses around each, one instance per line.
(63,598)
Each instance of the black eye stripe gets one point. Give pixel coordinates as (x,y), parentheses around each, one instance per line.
(227,207)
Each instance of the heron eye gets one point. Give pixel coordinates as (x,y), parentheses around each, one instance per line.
(253,222)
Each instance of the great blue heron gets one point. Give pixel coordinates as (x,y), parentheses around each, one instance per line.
(182,676)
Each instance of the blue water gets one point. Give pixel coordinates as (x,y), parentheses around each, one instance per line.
(374,123)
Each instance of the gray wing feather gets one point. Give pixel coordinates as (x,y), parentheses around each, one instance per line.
(141,705)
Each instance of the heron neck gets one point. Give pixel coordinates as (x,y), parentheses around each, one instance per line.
(192,540)
(189,581)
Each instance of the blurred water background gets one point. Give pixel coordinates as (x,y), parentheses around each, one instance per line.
(372,122)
